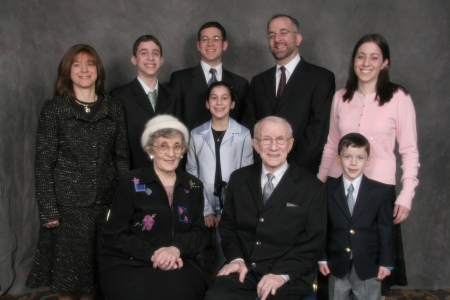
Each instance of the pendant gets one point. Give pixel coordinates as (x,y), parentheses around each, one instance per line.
(87,109)
(218,139)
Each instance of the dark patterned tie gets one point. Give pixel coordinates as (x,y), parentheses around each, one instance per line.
(268,187)
(213,76)
(281,84)
(350,198)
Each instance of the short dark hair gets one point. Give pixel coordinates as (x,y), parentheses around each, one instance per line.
(146,38)
(293,20)
(64,84)
(385,88)
(231,90)
(215,25)
(356,140)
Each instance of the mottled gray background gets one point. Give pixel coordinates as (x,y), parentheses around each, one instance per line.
(34,35)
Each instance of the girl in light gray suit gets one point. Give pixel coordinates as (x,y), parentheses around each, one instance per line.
(216,149)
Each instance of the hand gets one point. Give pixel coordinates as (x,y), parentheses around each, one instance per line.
(269,284)
(401,213)
(323,268)
(237,266)
(167,258)
(383,273)
(218,220)
(211,221)
(51,224)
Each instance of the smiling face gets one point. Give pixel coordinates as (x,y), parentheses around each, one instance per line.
(283,49)
(219,103)
(83,72)
(211,50)
(273,155)
(368,63)
(353,161)
(148,59)
(166,162)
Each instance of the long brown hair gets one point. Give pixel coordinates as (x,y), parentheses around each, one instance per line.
(385,88)
(64,84)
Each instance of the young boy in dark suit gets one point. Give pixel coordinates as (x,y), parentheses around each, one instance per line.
(359,251)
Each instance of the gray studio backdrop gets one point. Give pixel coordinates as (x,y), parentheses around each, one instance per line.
(34,35)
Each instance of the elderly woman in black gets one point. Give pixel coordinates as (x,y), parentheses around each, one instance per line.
(156,229)
(81,149)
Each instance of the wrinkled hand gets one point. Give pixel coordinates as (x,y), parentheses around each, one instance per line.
(237,266)
(211,221)
(51,224)
(269,284)
(401,213)
(383,273)
(167,258)
(323,268)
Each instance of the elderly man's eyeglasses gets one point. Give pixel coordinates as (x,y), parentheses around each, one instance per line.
(214,39)
(268,141)
(282,33)
(164,148)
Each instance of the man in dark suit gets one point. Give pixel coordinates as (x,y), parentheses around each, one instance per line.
(145,97)
(359,252)
(193,83)
(273,223)
(295,90)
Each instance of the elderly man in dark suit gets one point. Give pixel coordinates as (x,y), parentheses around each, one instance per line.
(295,90)
(273,223)
(192,83)
(144,97)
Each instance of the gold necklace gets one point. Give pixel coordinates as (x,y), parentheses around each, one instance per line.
(86,105)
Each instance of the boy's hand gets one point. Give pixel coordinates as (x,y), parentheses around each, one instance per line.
(211,221)
(383,273)
(323,268)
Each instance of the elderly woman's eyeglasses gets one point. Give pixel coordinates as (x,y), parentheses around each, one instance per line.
(165,148)
(268,141)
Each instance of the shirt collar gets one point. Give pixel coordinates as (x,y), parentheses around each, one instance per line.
(278,173)
(356,183)
(146,88)
(290,66)
(206,68)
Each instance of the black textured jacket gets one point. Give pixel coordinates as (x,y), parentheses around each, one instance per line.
(78,162)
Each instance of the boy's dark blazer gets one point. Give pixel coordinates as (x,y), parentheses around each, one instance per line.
(192,86)
(138,111)
(367,234)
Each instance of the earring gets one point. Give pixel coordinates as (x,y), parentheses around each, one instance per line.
(151,157)
(181,157)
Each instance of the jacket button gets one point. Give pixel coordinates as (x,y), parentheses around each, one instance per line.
(352,231)
(258,243)
(347,249)
(261,219)
(253,265)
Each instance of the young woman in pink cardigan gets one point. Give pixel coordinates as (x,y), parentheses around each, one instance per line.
(384,113)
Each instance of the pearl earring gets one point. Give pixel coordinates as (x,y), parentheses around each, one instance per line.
(151,157)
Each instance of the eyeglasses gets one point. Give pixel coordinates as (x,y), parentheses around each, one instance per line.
(164,148)
(206,39)
(282,33)
(268,141)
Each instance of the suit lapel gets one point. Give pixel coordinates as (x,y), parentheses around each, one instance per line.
(293,82)
(208,137)
(338,195)
(269,86)
(254,185)
(284,187)
(163,102)
(363,198)
(140,96)
(199,81)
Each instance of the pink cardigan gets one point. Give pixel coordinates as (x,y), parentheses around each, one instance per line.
(381,126)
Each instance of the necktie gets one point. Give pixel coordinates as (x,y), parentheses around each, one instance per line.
(152,98)
(281,84)
(213,76)
(350,198)
(268,187)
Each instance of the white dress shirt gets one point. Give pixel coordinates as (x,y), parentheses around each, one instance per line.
(290,66)
(206,68)
(146,88)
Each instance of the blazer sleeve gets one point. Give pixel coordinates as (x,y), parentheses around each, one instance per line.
(385,225)
(315,134)
(116,235)
(247,151)
(47,139)
(305,253)
(121,150)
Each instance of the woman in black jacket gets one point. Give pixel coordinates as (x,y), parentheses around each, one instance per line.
(81,149)
(156,229)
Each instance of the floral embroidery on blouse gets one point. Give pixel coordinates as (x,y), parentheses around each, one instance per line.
(183,214)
